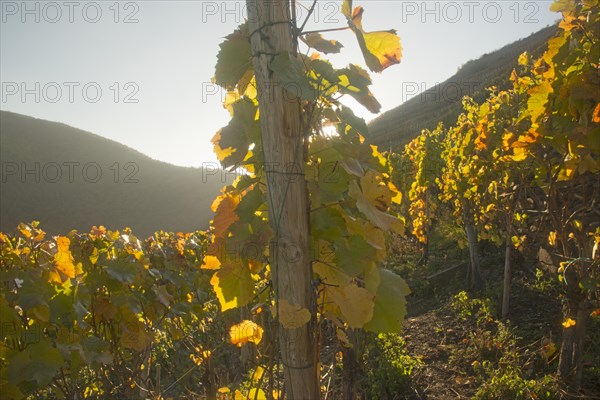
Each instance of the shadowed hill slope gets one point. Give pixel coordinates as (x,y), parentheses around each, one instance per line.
(67,178)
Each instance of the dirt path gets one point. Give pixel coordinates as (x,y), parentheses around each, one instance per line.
(432,336)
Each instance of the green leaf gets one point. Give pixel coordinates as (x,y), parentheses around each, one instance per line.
(122,270)
(349,119)
(234,59)
(96,352)
(390,303)
(327,223)
(292,74)
(353,255)
(354,81)
(249,204)
(40,363)
(231,143)
(233,285)
(324,70)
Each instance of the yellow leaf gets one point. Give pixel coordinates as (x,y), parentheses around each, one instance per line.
(538,99)
(380,49)
(292,316)
(523,59)
(253,393)
(63,261)
(25,230)
(569,322)
(211,262)
(370,204)
(223,390)
(244,332)
(221,153)
(258,373)
(520,154)
(552,239)
(355,303)
(257,394)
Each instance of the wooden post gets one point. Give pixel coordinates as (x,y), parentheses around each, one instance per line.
(475,280)
(271,33)
(507,269)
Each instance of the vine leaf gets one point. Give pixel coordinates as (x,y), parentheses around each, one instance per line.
(211,262)
(134,336)
(353,254)
(245,332)
(355,82)
(253,394)
(233,285)
(40,363)
(291,73)
(355,303)
(231,143)
(224,208)
(234,59)
(63,261)
(347,8)
(538,97)
(291,316)
(319,43)
(381,49)
(371,206)
(327,223)
(390,303)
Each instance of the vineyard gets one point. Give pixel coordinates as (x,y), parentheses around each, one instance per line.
(464,265)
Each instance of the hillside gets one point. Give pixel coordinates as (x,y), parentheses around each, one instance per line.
(67,178)
(398,126)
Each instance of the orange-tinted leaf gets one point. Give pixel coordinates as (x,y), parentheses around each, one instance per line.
(224,207)
(596,113)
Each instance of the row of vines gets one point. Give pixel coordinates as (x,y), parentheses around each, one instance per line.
(522,170)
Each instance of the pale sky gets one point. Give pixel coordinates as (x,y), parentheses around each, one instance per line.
(139,72)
